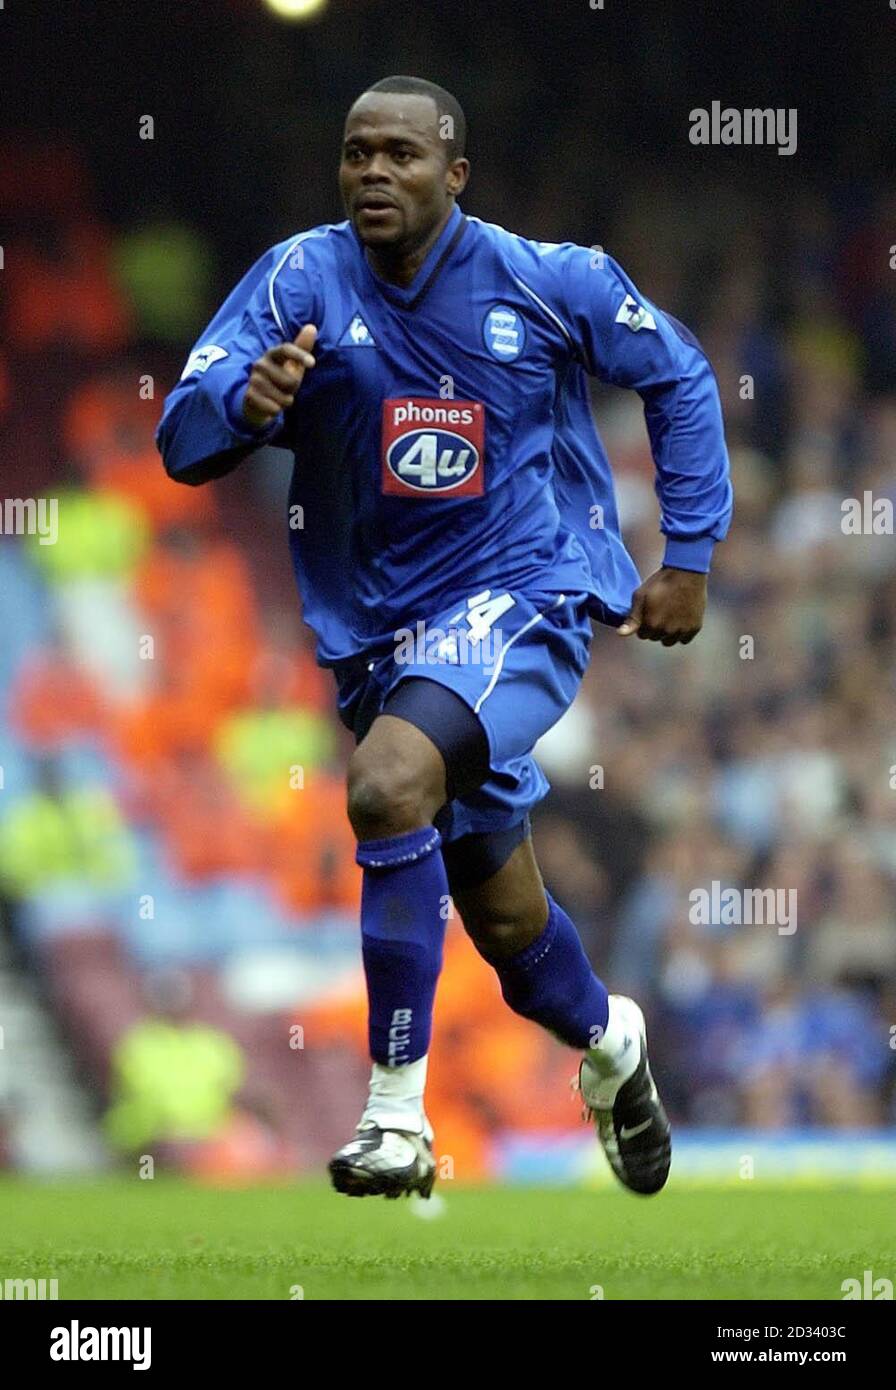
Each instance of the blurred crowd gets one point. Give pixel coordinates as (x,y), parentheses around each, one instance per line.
(176,867)
(763,756)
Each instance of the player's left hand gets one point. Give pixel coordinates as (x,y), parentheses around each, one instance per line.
(668,607)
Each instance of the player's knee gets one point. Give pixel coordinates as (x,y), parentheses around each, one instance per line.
(499,936)
(387,798)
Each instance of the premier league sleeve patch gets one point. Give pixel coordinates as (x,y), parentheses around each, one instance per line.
(202,358)
(433,448)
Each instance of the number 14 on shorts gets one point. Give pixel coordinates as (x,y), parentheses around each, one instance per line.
(482,612)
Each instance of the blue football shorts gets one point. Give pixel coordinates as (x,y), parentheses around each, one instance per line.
(514,661)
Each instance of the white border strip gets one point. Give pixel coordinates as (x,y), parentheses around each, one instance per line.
(550,313)
(506,648)
(279,266)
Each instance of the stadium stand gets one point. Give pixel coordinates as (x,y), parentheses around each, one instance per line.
(157,689)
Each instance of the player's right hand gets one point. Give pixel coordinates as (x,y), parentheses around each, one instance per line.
(276,377)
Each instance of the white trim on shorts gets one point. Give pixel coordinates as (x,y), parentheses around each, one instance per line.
(506,648)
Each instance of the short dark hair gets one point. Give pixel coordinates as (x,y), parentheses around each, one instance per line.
(446,105)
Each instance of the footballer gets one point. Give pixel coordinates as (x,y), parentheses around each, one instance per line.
(429,373)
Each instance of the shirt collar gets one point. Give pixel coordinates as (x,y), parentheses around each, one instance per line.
(406,294)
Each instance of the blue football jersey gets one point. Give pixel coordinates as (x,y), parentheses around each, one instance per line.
(444,445)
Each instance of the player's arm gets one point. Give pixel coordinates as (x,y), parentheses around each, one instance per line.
(241,375)
(626,340)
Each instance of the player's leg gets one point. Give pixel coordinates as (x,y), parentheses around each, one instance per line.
(483,723)
(525,935)
(529,940)
(399,777)
(545,976)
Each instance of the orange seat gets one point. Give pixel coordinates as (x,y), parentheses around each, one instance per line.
(54,700)
(109,429)
(72,299)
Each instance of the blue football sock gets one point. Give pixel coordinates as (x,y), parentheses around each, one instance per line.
(552,982)
(403,901)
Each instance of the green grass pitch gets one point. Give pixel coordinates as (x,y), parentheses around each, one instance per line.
(170,1239)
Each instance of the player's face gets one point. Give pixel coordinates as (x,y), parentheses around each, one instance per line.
(396,179)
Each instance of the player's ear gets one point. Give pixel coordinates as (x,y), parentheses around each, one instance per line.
(458,173)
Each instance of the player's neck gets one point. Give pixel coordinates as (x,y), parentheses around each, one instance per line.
(399,266)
